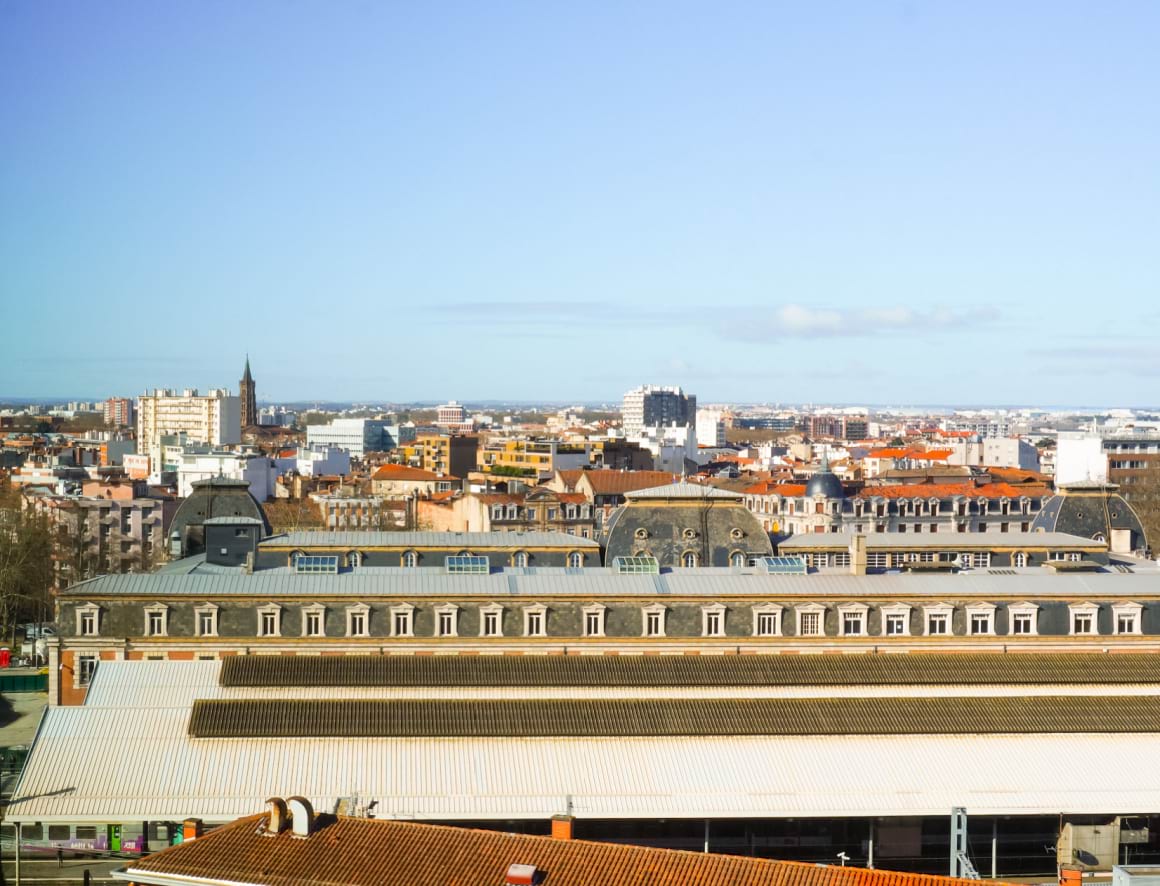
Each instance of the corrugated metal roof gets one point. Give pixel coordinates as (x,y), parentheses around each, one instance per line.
(365,539)
(683,490)
(78,770)
(152,684)
(942,541)
(363,852)
(364,718)
(960,669)
(602,583)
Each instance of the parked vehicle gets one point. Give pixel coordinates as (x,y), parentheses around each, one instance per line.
(37,632)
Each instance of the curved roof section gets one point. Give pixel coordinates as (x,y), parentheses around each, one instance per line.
(682,490)
(825,483)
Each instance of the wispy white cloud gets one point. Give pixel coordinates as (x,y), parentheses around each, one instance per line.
(801,321)
(1121,359)
(747,322)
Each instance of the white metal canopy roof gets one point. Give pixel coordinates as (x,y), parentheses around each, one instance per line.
(112,763)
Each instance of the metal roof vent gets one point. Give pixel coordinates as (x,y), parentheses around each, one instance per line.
(521,875)
(301,816)
(278,816)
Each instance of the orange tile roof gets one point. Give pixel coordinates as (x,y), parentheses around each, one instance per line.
(619,482)
(933,455)
(569,478)
(770,487)
(362,852)
(405,472)
(949,490)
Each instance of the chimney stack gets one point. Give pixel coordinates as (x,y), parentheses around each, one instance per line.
(858,555)
(190,829)
(562,827)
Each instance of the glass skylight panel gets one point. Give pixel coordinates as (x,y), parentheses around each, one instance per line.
(784,565)
(473,565)
(636,565)
(315,564)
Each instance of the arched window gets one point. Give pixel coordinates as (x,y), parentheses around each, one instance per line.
(575,559)
(354,559)
(689,559)
(1020,560)
(410,559)
(738,558)
(520,559)
(294,555)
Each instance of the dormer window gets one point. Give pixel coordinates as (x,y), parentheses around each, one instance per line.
(358,619)
(654,620)
(1126,617)
(206,620)
(314,620)
(713,620)
(403,620)
(594,619)
(410,559)
(156,620)
(447,620)
(1083,617)
(270,620)
(689,559)
(491,620)
(535,621)
(767,620)
(88,620)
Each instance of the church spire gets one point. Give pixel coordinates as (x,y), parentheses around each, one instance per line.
(246,375)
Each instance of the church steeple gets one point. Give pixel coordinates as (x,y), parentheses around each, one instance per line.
(246,393)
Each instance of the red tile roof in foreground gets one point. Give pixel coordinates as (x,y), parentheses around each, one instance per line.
(361,852)
(620,482)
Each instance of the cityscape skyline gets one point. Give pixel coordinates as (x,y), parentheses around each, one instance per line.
(916,204)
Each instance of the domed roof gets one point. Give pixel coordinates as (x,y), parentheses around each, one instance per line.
(825,482)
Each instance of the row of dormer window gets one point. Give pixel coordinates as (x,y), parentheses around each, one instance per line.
(768,620)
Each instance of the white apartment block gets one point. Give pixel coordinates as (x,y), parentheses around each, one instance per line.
(214,418)
(654,405)
(257,470)
(710,428)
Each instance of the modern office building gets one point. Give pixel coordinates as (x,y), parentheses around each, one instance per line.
(358,436)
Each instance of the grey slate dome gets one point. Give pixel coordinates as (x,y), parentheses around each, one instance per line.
(685,522)
(1093,510)
(825,483)
(215,497)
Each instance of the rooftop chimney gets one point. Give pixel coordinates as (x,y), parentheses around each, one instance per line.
(858,555)
(301,816)
(278,816)
(562,827)
(521,875)
(190,829)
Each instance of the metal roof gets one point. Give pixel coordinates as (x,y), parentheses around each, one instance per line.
(957,669)
(159,684)
(633,718)
(77,771)
(943,541)
(232,521)
(419,583)
(683,490)
(465,540)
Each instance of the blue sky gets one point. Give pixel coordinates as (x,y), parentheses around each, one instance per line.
(856,202)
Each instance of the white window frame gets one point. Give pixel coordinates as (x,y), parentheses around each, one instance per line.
(1019,560)
(89,609)
(531,612)
(659,610)
(737,559)
(449,609)
(811,609)
(771,609)
(896,610)
(707,615)
(210,609)
(358,609)
(853,609)
(594,609)
(980,609)
(409,559)
(1133,610)
(1091,610)
(689,560)
(354,559)
(274,609)
(575,559)
(406,611)
(491,609)
(938,610)
(87,654)
(1030,610)
(157,609)
(520,559)
(314,609)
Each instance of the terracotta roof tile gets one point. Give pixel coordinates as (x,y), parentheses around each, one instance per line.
(361,852)
(404,472)
(620,482)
